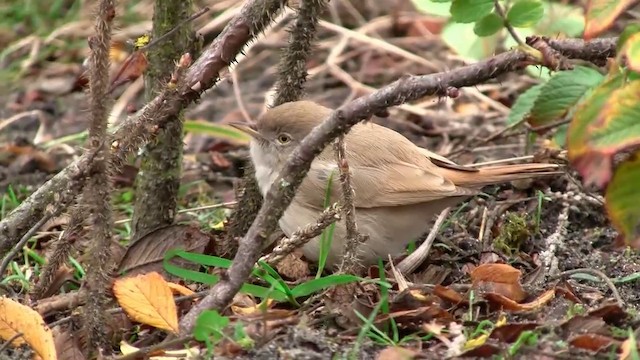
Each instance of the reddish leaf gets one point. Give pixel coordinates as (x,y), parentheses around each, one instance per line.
(594,166)
(500,279)
(601,14)
(623,200)
(592,342)
(510,332)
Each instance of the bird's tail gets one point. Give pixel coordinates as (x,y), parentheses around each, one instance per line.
(500,173)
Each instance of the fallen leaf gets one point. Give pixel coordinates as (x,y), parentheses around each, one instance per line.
(16,318)
(500,279)
(148,300)
(147,253)
(192,353)
(510,305)
(66,344)
(396,353)
(592,342)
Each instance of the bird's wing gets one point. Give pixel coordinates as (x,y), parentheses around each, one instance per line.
(389,185)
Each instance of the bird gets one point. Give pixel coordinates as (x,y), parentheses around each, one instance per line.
(398,186)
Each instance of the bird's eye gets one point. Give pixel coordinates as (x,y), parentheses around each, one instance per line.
(284,138)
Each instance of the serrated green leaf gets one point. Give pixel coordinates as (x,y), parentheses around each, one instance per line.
(523,105)
(622,200)
(593,165)
(468,11)
(216,130)
(617,126)
(561,93)
(488,25)
(525,13)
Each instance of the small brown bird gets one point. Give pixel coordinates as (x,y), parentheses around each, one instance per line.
(398,186)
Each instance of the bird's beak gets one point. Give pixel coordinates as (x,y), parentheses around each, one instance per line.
(249,129)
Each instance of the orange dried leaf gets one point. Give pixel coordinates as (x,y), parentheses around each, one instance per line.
(510,305)
(148,299)
(601,14)
(16,318)
(499,279)
(179,289)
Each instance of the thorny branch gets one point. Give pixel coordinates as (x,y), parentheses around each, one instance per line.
(354,238)
(283,189)
(302,236)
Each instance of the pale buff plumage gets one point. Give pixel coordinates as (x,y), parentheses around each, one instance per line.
(398,186)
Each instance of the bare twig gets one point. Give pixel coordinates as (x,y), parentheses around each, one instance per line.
(354,238)
(302,236)
(416,258)
(507,24)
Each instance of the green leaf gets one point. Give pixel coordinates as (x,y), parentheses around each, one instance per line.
(525,13)
(275,293)
(468,11)
(628,31)
(563,91)
(488,25)
(622,200)
(215,130)
(594,166)
(315,285)
(210,324)
(632,52)
(617,126)
(523,105)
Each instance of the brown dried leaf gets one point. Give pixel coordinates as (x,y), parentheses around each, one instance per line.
(449,295)
(500,279)
(510,305)
(592,342)
(510,332)
(16,318)
(148,300)
(67,346)
(293,267)
(147,253)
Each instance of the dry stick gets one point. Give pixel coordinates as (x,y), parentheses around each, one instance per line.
(416,258)
(303,236)
(139,128)
(339,122)
(354,238)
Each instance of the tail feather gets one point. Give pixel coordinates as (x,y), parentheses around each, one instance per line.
(499,174)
